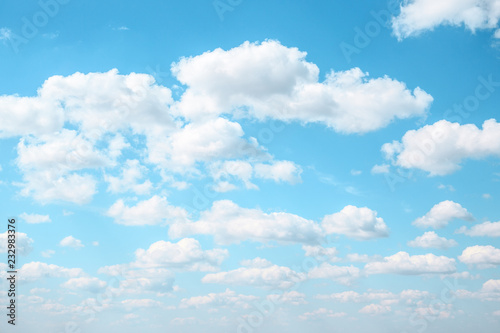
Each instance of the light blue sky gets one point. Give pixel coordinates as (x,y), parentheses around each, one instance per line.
(180,165)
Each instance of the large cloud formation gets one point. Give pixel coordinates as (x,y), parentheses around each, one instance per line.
(418,16)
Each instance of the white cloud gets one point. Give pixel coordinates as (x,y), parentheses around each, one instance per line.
(208,141)
(241,170)
(341,274)
(385,298)
(417,16)
(132,304)
(375,309)
(490,291)
(271,277)
(22,242)
(482,256)
(230,223)
(356,257)
(47,253)
(66,150)
(132,172)
(49,186)
(186,254)
(441,214)
(440,148)
(119,101)
(279,171)
(321,313)
(35,218)
(319,252)
(492,286)
(489,229)
(256,263)
(71,241)
(154,211)
(288,297)
(356,172)
(139,281)
(403,263)
(96,104)
(352,296)
(29,115)
(227,298)
(90,284)
(383,168)
(34,271)
(50,166)
(268,80)
(431,240)
(358,223)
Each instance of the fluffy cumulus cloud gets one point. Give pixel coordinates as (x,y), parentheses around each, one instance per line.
(75,128)
(268,80)
(207,141)
(482,256)
(341,274)
(279,171)
(319,252)
(288,297)
(490,229)
(71,241)
(258,274)
(185,255)
(441,214)
(417,16)
(90,284)
(225,173)
(138,281)
(153,211)
(321,313)
(230,223)
(23,243)
(227,298)
(35,271)
(431,240)
(408,296)
(96,106)
(358,223)
(375,309)
(404,264)
(133,304)
(131,173)
(441,147)
(490,291)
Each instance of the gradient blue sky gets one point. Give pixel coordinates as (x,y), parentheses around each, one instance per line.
(252,166)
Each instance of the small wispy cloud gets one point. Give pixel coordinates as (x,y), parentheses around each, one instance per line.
(5,34)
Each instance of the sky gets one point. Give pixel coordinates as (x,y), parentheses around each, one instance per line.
(251,166)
